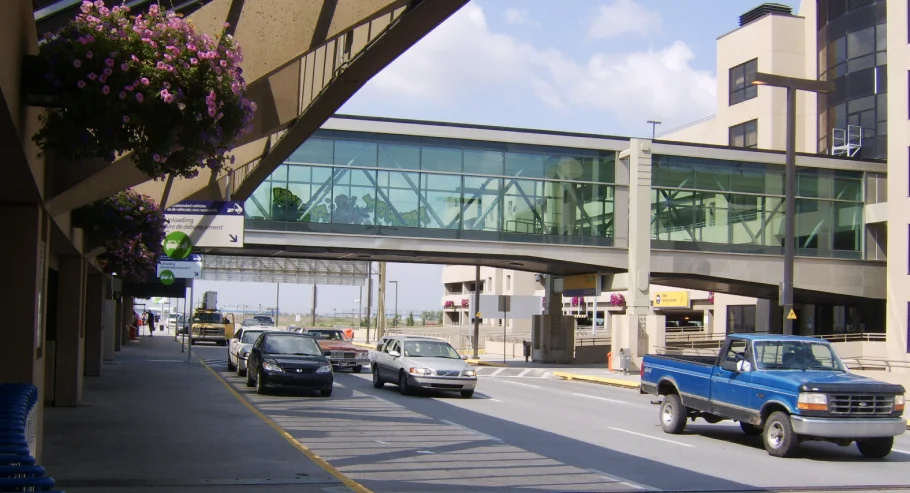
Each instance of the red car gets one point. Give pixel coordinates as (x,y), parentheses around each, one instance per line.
(339,349)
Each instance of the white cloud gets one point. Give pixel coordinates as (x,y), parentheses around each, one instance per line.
(462,60)
(623,17)
(519,16)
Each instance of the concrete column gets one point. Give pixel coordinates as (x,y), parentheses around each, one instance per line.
(552,334)
(118,323)
(110,329)
(95,294)
(70,363)
(621,205)
(24,261)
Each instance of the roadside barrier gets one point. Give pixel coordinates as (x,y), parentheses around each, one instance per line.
(18,440)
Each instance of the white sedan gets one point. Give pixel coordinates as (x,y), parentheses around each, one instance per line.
(239,347)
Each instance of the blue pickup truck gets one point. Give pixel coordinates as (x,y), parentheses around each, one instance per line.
(789,389)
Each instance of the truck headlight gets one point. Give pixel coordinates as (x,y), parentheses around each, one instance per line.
(898,403)
(812,401)
(420,371)
(272,367)
(470,373)
(324,369)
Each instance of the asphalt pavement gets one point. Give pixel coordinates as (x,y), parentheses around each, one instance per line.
(534,432)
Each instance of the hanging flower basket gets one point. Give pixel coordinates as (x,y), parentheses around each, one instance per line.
(711,297)
(465,303)
(147,84)
(449,304)
(131,228)
(617,299)
(576,301)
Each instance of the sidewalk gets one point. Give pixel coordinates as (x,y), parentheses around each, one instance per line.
(153,422)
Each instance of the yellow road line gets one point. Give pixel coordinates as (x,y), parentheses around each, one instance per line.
(324,464)
(478,362)
(594,379)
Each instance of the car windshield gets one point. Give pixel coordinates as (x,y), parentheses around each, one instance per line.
(265,320)
(250,336)
(796,355)
(208,318)
(429,349)
(250,321)
(332,335)
(289,344)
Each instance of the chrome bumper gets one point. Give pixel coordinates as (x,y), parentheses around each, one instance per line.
(848,428)
(441,383)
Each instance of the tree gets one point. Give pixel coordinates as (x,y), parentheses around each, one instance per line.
(439,317)
(410,320)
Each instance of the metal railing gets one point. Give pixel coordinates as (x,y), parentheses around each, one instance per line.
(873,363)
(853,337)
(592,341)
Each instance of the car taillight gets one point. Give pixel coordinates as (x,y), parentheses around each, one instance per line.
(641,372)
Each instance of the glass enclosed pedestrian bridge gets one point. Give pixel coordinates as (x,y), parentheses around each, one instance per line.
(388,183)
(380,178)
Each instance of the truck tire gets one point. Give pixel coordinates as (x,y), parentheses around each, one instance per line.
(875,448)
(357,369)
(673,414)
(780,441)
(750,429)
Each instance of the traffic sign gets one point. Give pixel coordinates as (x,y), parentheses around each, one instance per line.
(791,315)
(167,277)
(207,224)
(191,268)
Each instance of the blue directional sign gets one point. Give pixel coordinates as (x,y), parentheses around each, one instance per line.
(190,268)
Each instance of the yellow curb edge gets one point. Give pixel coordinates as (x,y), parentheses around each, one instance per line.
(600,380)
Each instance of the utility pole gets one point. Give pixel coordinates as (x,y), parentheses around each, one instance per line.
(476,310)
(369,298)
(380,306)
(277,295)
(313,311)
(654,125)
(395,316)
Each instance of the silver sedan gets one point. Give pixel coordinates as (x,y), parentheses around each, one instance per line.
(422,362)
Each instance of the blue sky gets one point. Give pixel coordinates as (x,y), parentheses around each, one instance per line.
(598,66)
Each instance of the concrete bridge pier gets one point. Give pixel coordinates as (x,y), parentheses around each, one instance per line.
(552,334)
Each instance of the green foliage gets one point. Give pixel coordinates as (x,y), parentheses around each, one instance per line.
(410,320)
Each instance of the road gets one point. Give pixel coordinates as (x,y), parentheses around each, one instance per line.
(543,434)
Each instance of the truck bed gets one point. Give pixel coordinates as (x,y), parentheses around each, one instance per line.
(687,358)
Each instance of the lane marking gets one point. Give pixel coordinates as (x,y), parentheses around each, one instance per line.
(494,400)
(497,372)
(519,383)
(623,481)
(600,398)
(652,438)
(425,452)
(465,428)
(324,464)
(524,372)
(380,441)
(901,451)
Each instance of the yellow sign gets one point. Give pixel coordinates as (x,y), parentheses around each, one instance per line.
(791,315)
(477,315)
(580,285)
(671,299)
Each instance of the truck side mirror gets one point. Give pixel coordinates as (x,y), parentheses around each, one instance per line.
(743,366)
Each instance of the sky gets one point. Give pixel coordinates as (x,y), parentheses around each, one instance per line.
(594,66)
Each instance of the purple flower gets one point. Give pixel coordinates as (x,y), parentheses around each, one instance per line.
(144,81)
(139,97)
(106,90)
(109,62)
(108,71)
(122,95)
(124,66)
(102,79)
(89,55)
(92,76)
(80,84)
(126,119)
(77,63)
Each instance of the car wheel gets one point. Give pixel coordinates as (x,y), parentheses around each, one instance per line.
(249,378)
(467,394)
(377,380)
(260,383)
(875,448)
(357,369)
(750,429)
(326,392)
(673,414)
(240,372)
(231,366)
(780,441)
(403,386)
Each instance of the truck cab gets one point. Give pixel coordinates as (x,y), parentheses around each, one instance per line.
(211,326)
(789,389)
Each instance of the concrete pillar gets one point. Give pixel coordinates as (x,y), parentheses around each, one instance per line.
(95,294)
(118,324)
(552,334)
(24,262)
(110,329)
(621,205)
(70,363)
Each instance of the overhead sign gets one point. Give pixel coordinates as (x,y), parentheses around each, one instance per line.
(206,224)
(580,285)
(191,268)
(671,299)
(517,307)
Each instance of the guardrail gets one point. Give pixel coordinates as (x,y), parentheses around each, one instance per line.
(18,440)
(592,341)
(853,337)
(873,363)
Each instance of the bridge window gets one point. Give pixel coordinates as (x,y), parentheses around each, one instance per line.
(741,77)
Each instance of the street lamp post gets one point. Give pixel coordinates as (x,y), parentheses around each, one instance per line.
(396,300)
(791,84)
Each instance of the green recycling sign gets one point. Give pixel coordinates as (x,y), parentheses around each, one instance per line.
(178,245)
(167,278)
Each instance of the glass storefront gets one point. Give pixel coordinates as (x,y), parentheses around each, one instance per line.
(739,207)
(345,182)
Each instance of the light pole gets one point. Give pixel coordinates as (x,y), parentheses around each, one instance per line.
(791,84)
(395,319)
(654,124)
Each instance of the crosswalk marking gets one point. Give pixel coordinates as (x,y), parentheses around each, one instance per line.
(493,372)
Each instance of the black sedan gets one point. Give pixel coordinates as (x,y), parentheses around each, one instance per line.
(282,359)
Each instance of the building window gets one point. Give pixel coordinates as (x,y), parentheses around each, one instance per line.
(741,77)
(740,319)
(744,135)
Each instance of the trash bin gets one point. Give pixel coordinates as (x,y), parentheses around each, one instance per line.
(527,349)
(624,360)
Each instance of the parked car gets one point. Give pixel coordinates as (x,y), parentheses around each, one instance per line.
(423,363)
(239,347)
(789,389)
(342,352)
(283,359)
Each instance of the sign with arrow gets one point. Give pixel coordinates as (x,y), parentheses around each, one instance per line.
(216,224)
(170,269)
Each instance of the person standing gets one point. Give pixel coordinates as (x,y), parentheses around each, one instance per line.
(150,321)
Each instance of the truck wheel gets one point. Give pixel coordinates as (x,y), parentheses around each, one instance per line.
(750,429)
(357,368)
(673,414)
(780,441)
(875,448)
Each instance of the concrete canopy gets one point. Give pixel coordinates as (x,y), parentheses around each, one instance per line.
(303,59)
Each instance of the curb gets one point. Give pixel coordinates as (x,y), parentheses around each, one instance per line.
(479,362)
(601,380)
